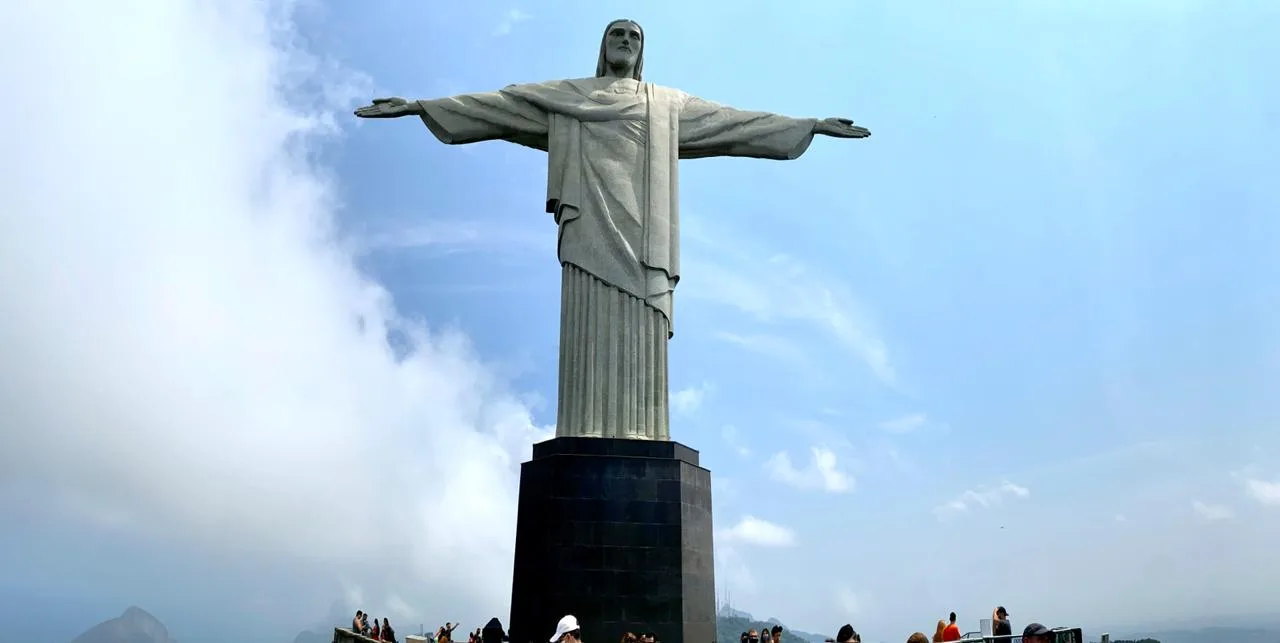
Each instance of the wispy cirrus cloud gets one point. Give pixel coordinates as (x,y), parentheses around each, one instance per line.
(823,472)
(769,345)
(847,601)
(510,19)
(779,290)
(906,423)
(447,235)
(981,498)
(733,437)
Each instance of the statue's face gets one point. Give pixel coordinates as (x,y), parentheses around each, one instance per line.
(622,44)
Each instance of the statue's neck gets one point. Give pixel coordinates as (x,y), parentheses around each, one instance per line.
(619,72)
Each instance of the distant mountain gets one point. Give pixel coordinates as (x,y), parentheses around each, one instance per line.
(310,636)
(808,636)
(732,623)
(134,626)
(725,610)
(813,638)
(1209,635)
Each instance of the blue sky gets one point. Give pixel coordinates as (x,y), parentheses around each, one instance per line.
(1027,328)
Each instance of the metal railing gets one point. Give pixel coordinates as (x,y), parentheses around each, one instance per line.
(1060,634)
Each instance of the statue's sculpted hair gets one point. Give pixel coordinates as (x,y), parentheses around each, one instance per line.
(602,64)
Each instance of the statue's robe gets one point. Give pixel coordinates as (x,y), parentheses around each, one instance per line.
(613,147)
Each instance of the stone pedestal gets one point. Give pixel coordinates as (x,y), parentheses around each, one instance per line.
(618,533)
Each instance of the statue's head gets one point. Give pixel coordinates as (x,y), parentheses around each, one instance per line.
(621,50)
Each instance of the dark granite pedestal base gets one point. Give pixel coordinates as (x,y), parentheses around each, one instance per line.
(617,533)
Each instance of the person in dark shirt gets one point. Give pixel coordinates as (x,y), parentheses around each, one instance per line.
(847,635)
(1037,633)
(493,632)
(1000,622)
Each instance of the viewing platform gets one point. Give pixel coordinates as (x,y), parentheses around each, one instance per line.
(345,635)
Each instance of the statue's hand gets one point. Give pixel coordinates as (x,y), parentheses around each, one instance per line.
(388,108)
(840,128)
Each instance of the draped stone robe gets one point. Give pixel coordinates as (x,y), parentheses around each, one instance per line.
(613,146)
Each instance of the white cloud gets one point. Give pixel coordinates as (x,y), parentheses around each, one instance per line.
(847,602)
(189,352)
(1264,491)
(689,399)
(906,423)
(510,19)
(1212,512)
(733,438)
(982,498)
(822,473)
(755,531)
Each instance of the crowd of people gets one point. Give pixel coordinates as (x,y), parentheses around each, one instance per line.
(771,635)
(1001,631)
(378,631)
(568,631)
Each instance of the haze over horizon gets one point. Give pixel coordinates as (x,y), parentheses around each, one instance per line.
(259,355)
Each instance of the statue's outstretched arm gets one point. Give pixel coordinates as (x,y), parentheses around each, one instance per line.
(840,128)
(470,118)
(389,108)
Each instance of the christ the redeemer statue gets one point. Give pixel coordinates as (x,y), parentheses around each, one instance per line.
(613,144)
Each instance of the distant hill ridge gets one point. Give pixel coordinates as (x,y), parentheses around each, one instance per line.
(731,623)
(135,625)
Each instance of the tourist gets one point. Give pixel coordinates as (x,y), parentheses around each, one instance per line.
(567,630)
(650,637)
(918,637)
(376,632)
(1037,633)
(630,637)
(445,633)
(364,623)
(492,632)
(744,638)
(388,634)
(776,633)
(1000,622)
(939,631)
(753,636)
(355,622)
(847,635)
(952,631)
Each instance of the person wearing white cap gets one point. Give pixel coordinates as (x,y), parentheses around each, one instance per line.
(567,630)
